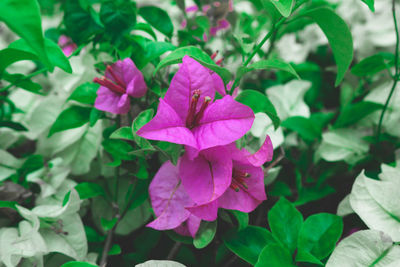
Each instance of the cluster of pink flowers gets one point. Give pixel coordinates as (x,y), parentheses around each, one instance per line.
(216,12)
(213,173)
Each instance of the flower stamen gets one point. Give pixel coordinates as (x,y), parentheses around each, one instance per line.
(110,85)
(116,77)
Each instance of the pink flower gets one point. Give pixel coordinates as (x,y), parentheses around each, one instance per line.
(66,44)
(187,115)
(242,189)
(216,12)
(122,79)
(169,200)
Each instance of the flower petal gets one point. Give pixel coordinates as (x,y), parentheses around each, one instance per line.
(224,122)
(246,200)
(206,177)
(218,84)
(167,126)
(124,103)
(168,198)
(190,76)
(207,212)
(189,227)
(108,101)
(136,87)
(263,155)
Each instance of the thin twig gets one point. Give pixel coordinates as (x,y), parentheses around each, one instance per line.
(396,75)
(174,250)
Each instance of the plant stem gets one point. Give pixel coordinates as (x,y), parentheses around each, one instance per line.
(266,37)
(396,75)
(174,250)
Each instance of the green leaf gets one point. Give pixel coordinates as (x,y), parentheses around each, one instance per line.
(249,242)
(373,64)
(89,190)
(54,52)
(274,255)
(304,127)
(305,256)
(146,28)
(242,218)
(375,248)
(118,149)
(284,6)
(108,224)
(13,125)
(23,18)
(21,81)
(308,194)
(85,93)
(117,16)
(72,117)
(141,119)
(259,102)
(157,18)
(124,133)
(196,53)
(370,4)
(267,64)
(115,250)
(80,23)
(285,222)
(8,204)
(78,264)
(10,55)
(205,234)
(320,233)
(339,37)
(352,113)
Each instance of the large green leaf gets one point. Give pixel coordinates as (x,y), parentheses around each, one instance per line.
(249,242)
(54,52)
(319,234)
(285,222)
(305,127)
(23,17)
(157,18)
(373,64)
(259,102)
(352,113)
(339,37)
(274,255)
(72,117)
(365,248)
(198,54)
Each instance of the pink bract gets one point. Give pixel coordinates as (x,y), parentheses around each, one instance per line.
(169,199)
(245,190)
(187,115)
(67,45)
(122,80)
